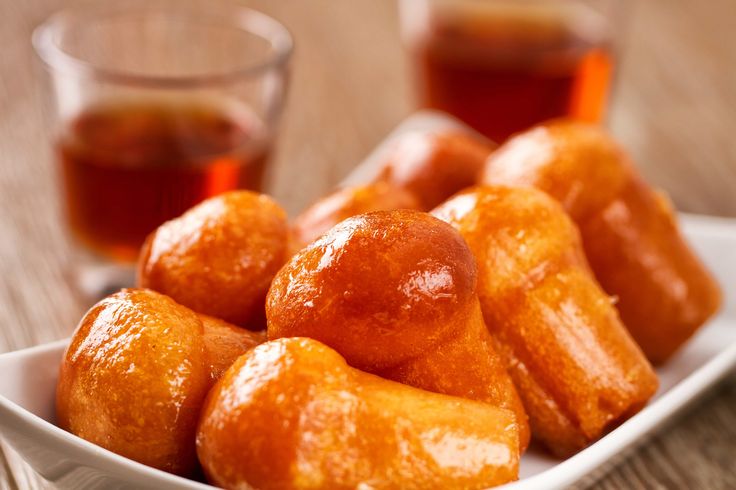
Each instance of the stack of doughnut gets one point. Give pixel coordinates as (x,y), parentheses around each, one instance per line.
(414,332)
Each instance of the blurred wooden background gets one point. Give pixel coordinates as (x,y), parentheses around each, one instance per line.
(675,109)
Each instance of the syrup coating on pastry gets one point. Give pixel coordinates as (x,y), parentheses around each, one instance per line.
(394,292)
(292,414)
(219,257)
(136,372)
(574,365)
(629,230)
(134,378)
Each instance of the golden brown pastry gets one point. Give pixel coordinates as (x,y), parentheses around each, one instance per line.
(291,414)
(433,165)
(136,372)
(219,257)
(347,202)
(575,366)
(394,292)
(629,231)
(226,342)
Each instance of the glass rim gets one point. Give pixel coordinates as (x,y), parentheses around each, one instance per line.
(55,58)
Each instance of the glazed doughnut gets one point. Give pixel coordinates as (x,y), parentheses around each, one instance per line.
(629,231)
(219,257)
(292,414)
(574,365)
(434,165)
(394,292)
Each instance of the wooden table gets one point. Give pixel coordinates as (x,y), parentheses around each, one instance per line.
(675,108)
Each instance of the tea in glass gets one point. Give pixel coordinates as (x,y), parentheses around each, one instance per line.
(503,66)
(160,104)
(128,168)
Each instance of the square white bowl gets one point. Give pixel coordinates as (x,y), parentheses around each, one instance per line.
(28,381)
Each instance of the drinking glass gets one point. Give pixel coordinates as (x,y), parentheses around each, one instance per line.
(160,104)
(504,65)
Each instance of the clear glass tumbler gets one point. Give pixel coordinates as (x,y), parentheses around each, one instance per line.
(504,65)
(160,104)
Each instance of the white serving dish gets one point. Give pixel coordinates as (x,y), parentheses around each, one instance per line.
(28,380)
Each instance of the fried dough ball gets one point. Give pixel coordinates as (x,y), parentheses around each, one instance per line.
(394,292)
(434,165)
(291,414)
(629,230)
(219,257)
(347,202)
(136,372)
(576,368)
(134,378)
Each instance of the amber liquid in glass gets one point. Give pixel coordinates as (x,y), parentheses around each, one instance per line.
(126,169)
(503,74)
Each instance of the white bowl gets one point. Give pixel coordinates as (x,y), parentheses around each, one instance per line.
(28,381)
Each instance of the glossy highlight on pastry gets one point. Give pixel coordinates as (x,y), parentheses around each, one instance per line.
(394,293)
(629,230)
(575,366)
(292,414)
